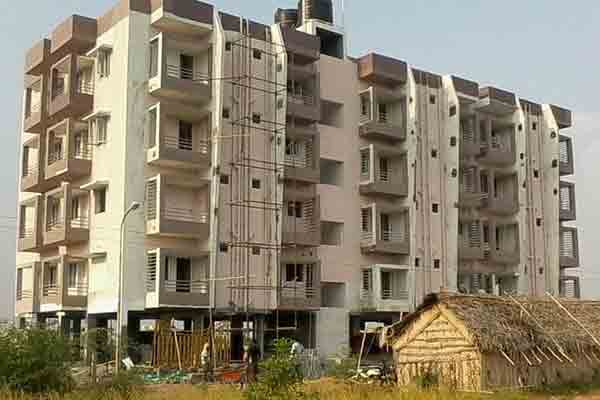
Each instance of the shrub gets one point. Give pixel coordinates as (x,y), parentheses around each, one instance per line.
(126,385)
(34,360)
(280,377)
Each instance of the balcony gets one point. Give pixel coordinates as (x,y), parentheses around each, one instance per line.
(470,245)
(30,221)
(503,199)
(76,34)
(497,143)
(302,47)
(31,178)
(470,194)
(300,286)
(64,284)
(36,57)
(567,201)
(301,72)
(27,290)
(565,156)
(469,144)
(177,207)
(304,105)
(182,16)
(506,250)
(382,70)
(180,70)
(176,278)
(569,247)
(385,230)
(71,88)
(570,287)
(384,171)
(66,216)
(302,216)
(178,137)
(34,95)
(496,102)
(383,114)
(385,288)
(69,156)
(562,116)
(301,160)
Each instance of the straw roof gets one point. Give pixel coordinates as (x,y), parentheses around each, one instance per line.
(500,324)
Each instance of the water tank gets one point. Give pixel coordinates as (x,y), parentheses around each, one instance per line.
(287,17)
(321,10)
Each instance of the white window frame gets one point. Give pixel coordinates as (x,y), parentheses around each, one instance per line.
(99,129)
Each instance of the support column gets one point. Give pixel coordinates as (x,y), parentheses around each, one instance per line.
(259,329)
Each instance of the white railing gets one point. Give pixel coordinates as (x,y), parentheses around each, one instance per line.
(383,117)
(390,236)
(55,225)
(367,236)
(58,88)
(296,162)
(567,244)
(80,223)
(50,289)
(187,144)
(365,118)
(292,291)
(55,156)
(34,109)
(83,152)
(30,171)
(389,294)
(186,286)
(80,289)
(307,100)
(26,232)
(185,215)
(24,294)
(384,175)
(188,74)
(85,87)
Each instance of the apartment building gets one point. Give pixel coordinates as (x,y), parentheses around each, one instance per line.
(288,189)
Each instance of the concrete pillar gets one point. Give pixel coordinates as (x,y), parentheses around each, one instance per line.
(63,323)
(198,323)
(259,332)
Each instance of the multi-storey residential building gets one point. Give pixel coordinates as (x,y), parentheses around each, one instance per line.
(287,188)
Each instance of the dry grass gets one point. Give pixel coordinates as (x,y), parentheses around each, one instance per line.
(326,389)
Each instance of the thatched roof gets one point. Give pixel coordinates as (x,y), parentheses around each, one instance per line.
(499,323)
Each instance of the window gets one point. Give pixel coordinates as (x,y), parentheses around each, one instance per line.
(292,147)
(432,99)
(75,208)
(186,140)
(257,54)
(536,173)
(434,153)
(256,118)
(228,46)
(223,248)
(99,129)
(19,284)
(226,113)
(295,209)
(74,277)
(522,156)
(366,280)
(365,220)
(104,57)
(452,111)
(520,127)
(453,141)
(294,272)
(383,113)
(436,264)
(435,208)
(538,221)
(256,251)
(186,63)
(224,179)
(154,58)
(365,110)
(331,233)
(364,162)
(534,126)
(417,262)
(100,200)
(255,183)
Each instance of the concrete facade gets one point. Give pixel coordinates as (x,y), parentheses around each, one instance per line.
(284,182)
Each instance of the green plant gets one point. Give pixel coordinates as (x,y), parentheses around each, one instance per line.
(341,368)
(280,377)
(126,385)
(34,360)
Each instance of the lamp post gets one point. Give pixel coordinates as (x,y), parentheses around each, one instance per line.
(134,206)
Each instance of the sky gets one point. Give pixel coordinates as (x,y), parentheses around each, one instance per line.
(544,50)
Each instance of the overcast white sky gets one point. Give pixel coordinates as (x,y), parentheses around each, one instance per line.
(545,50)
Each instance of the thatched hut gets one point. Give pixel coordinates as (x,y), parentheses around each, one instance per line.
(495,343)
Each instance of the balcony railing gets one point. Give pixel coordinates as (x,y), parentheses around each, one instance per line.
(389,236)
(55,225)
(50,289)
(289,291)
(55,156)
(58,89)
(389,294)
(384,175)
(34,108)
(84,87)
(24,294)
(80,289)
(185,286)
(178,72)
(80,223)
(30,171)
(83,152)
(179,143)
(185,215)
(26,232)
(307,100)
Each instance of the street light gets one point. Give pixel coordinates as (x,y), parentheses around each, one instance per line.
(134,206)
